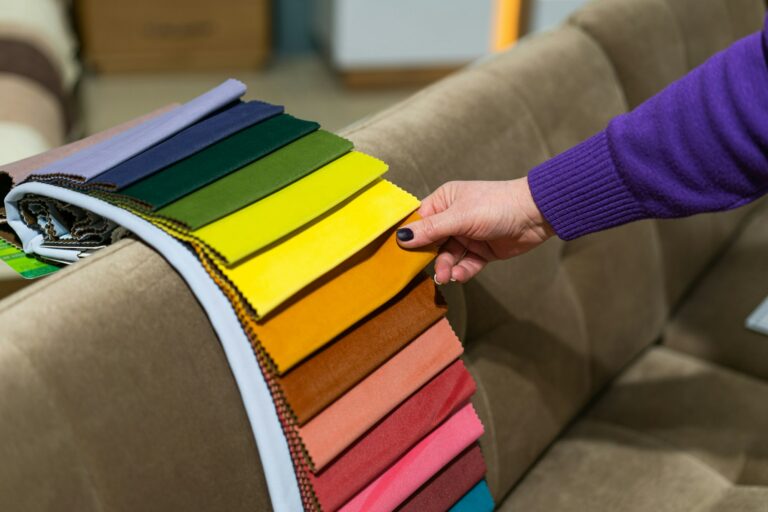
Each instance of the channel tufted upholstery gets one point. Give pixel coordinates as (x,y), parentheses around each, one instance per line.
(613,372)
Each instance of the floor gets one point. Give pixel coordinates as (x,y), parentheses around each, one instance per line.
(305,85)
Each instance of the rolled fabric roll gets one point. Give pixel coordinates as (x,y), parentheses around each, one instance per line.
(44,24)
(28,103)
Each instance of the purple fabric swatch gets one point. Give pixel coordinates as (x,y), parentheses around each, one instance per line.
(96,159)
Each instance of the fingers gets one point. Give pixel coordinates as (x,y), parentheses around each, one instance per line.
(468,267)
(433,229)
(450,254)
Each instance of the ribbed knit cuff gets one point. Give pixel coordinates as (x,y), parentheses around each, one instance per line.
(581,191)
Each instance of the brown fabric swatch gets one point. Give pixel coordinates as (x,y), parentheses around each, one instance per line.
(448,486)
(321,379)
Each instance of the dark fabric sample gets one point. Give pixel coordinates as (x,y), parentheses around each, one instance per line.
(385,443)
(257,180)
(321,379)
(188,142)
(448,486)
(218,160)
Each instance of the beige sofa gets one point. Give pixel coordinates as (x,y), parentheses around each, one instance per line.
(614,372)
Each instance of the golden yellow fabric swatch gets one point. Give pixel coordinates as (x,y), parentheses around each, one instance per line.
(340,298)
(272,276)
(252,228)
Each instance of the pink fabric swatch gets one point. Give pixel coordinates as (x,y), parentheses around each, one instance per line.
(393,436)
(344,421)
(420,464)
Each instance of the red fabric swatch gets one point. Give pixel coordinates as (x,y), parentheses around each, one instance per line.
(448,486)
(385,443)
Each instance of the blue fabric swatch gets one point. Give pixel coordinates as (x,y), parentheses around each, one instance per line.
(478,499)
(188,142)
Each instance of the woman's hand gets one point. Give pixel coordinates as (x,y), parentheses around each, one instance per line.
(474,223)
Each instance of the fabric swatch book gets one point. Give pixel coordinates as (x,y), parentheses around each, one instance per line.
(349,372)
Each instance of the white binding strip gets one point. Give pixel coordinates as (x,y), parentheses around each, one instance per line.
(270,440)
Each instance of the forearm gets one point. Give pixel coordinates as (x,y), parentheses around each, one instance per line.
(699,145)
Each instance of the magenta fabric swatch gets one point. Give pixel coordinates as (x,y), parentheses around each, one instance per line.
(420,464)
(386,442)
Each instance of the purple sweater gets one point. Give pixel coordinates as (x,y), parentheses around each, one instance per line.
(699,145)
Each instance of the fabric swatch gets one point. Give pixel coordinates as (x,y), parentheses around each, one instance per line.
(420,463)
(392,437)
(448,486)
(478,499)
(257,180)
(254,227)
(272,276)
(331,372)
(23,264)
(217,161)
(344,421)
(188,142)
(340,298)
(90,162)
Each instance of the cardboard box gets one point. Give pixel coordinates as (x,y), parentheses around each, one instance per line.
(174,35)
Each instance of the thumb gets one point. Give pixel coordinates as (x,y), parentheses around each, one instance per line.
(432,229)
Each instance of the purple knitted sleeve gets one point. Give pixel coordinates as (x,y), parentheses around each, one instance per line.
(699,145)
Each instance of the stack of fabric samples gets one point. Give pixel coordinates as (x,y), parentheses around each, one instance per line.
(296,230)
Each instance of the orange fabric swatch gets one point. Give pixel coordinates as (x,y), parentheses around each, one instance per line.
(349,417)
(324,377)
(336,301)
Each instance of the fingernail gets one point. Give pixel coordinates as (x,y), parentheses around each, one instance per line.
(453,279)
(404,234)
(438,283)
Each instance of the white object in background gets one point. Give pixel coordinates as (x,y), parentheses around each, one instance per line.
(758,320)
(372,34)
(547,14)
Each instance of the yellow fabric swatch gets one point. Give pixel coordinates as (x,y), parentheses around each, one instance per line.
(252,228)
(340,298)
(271,277)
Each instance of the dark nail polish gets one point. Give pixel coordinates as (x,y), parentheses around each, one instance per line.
(404,234)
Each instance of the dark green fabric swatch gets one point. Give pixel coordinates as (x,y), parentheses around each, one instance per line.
(232,153)
(257,180)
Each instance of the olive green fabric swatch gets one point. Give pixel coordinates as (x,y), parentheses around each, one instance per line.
(257,180)
(217,161)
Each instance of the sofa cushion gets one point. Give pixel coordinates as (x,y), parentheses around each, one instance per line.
(710,322)
(116,395)
(673,433)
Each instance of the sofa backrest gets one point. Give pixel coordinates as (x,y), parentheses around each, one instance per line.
(545,331)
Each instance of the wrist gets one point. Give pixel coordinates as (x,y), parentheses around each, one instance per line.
(537,223)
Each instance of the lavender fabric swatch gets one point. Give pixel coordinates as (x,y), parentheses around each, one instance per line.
(188,142)
(93,161)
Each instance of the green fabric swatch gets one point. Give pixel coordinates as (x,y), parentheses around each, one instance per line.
(26,266)
(230,154)
(257,180)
